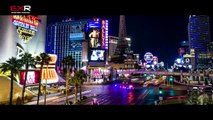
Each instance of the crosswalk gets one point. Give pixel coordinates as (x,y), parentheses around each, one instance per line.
(102,99)
(58,99)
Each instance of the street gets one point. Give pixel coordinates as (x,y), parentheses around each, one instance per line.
(114,95)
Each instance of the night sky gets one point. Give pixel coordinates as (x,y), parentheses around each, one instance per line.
(160,35)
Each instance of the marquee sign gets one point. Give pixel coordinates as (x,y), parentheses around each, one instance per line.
(104,35)
(27,26)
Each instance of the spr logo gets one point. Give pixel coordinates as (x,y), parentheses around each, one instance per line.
(23,9)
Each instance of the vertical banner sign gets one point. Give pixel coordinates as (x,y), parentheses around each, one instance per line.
(104,34)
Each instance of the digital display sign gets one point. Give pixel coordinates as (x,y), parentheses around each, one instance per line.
(75,46)
(104,36)
(27,26)
(97,55)
(94,38)
(148,57)
(32,77)
(94,24)
(77,36)
(97,33)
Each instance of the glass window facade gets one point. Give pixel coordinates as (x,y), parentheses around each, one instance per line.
(58,40)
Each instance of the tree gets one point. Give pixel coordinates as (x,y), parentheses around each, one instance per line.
(13,65)
(82,76)
(68,62)
(42,59)
(28,61)
(193,99)
(76,81)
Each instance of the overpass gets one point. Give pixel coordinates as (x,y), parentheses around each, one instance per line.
(165,73)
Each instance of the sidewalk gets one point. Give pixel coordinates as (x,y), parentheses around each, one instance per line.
(192,85)
(175,87)
(49,95)
(54,96)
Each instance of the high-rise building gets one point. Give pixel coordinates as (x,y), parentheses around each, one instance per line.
(113,41)
(122,46)
(199,37)
(66,38)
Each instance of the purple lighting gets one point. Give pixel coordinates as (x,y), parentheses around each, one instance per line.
(106,35)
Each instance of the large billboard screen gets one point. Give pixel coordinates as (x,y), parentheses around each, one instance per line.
(77,31)
(94,38)
(32,77)
(97,55)
(97,34)
(77,36)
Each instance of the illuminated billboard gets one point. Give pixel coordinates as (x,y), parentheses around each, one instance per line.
(32,77)
(97,55)
(77,36)
(94,38)
(20,33)
(75,46)
(104,36)
(49,72)
(26,26)
(148,57)
(97,33)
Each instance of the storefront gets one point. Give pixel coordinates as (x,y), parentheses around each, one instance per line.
(98,74)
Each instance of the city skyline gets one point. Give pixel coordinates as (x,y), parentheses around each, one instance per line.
(156,34)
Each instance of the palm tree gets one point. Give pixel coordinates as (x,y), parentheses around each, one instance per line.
(13,65)
(42,59)
(77,81)
(68,62)
(82,76)
(27,61)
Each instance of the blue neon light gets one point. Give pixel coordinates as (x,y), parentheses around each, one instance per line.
(94,24)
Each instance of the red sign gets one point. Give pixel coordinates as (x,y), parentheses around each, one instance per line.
(26,25)
(32,77)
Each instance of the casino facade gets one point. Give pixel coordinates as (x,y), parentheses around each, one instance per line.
(26,31)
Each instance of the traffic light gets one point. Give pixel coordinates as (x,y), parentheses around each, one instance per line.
(160,91)
(144,75)
(171,79)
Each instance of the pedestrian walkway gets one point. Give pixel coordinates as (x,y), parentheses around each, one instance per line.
(49,95)
(174,87)
(192,85)
(55,97)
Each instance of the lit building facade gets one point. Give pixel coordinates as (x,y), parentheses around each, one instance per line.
(199,37)
(20,34)
(113,41)
(26,33)
(66,38)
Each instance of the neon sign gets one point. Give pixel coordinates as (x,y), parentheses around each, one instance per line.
(32,77)
(104,35)
(27,25)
